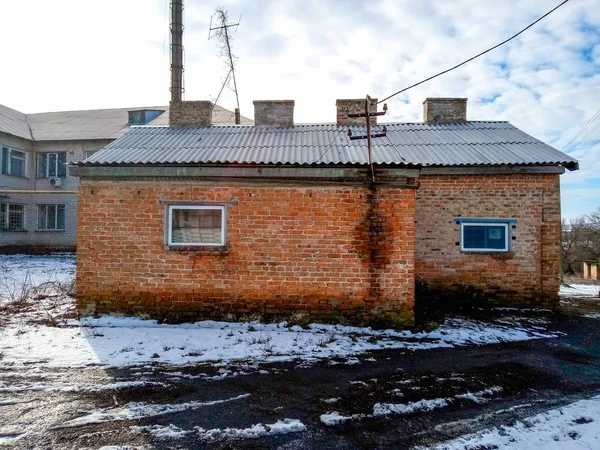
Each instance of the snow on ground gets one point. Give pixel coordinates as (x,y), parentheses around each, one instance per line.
(19,270)
(579,290)
(126,341)
(38,329)
(141,410)
(217,434)
(387,409)
(576,426)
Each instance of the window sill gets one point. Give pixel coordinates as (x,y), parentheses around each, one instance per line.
(49,231)
(13,231)
(23,177)
(484,251)
(199,249)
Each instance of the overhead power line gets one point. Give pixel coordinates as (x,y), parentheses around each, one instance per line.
(587,124)
(589,148)
(329,146)
(476,56)
(584,138)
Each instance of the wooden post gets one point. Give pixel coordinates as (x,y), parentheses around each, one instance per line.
(586,270)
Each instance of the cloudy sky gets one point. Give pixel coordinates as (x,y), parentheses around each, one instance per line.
(84,54)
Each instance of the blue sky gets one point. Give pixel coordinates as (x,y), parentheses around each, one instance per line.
(72,54)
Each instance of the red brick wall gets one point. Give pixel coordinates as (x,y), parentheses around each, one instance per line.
(529,274)
(324,251)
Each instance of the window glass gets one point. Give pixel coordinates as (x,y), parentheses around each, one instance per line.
(51,217)
(197,225)
(485,237)
(52,165)
(52,160)
(14,162)
(12,217)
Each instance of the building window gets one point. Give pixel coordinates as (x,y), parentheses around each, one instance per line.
(14,162)
(89,153)
(51,217)
(12,217)
(196,225)
(485,235)
(51,165)
(143,116)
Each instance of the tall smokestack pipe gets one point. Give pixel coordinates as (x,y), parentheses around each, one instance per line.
(176,50)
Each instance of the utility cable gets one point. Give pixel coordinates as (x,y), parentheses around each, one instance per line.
(583,138)
(395,148)
(594,117)
(476,56)
(329,146)
(589,148)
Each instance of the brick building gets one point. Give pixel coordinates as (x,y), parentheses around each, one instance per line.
(195,220)
(36,206)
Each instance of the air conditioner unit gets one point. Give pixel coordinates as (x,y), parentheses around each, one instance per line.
(57,182)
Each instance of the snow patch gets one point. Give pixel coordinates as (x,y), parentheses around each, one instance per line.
(335,418)
(162,432)
(255,431)
(139,410)
(386,409)
(572,427)
(579,290)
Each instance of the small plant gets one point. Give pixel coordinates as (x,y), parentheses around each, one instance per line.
(251,328)
(260,339)
(126,349)
(326,340)
(195,352)
(267,348)
(166,348)
(300,319)
(373,339)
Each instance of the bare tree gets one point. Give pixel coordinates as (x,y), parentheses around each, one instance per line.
(580,242)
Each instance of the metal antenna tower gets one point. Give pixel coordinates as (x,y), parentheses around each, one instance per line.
(222,34)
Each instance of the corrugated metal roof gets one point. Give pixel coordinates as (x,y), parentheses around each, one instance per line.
(459,144)
(86,124)
(14,122)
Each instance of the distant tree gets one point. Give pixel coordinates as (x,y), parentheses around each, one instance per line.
(580,242)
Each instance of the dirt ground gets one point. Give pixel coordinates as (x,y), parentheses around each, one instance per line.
(519,379)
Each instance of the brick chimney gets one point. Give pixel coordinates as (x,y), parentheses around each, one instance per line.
(190,114)
(354,105)
(445,110)
(274,113)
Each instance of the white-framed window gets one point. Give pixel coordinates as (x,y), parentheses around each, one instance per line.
(14,162)
(485,236)
(51,164)
(196,225)
(51,217)
(89,153)
(12,217)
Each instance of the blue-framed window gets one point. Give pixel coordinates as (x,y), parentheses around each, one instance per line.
(485,235)
(14,162)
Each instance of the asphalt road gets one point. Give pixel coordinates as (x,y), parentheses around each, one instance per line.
(522,379)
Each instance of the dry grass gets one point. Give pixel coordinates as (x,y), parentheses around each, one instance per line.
(47,303)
